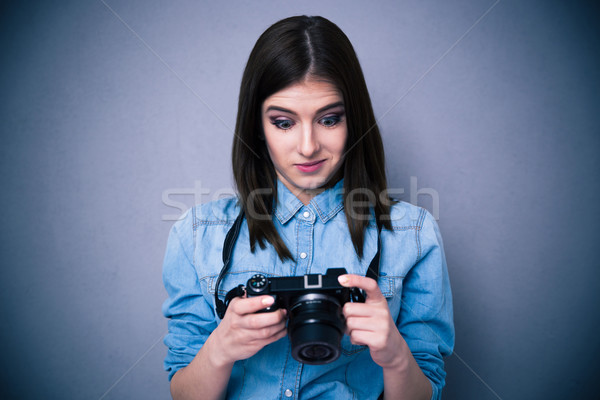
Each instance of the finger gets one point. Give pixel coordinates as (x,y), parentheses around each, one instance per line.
(366,338)
(250,305)
(255,330)
(271,337)
(362,282)
(265,333)
(278,335)
(364,310)
(264,320)
(365,324)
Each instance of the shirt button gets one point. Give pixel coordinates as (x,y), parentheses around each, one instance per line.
(306,214)
(303,255)
(288,393)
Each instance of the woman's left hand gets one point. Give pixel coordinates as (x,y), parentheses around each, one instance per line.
(371,324)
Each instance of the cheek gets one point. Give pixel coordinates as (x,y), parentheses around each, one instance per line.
(337,143)
(276,146)
(269,137)
(273,154)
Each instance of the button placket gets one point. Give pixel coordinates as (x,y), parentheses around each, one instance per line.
(290,378)
(306,219)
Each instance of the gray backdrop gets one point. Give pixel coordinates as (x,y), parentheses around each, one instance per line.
(116,115)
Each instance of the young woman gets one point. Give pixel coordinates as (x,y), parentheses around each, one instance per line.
(308,163)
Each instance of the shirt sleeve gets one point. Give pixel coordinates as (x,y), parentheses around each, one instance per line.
(426,317)
(191,317)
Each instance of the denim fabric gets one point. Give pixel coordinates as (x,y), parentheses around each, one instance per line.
(414,279)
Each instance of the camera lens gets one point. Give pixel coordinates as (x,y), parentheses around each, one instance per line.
(316,327)
(315,352)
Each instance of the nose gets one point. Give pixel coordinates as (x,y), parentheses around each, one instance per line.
(308,143)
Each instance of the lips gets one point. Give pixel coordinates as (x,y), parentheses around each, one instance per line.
(310,166)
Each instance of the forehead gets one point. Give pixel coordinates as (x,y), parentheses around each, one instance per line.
(309,93)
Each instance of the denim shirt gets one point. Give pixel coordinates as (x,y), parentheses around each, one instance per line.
(413,278)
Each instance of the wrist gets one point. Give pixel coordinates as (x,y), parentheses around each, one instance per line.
(216,355)
(400,362)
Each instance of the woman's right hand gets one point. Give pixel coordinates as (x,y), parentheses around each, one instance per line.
(240,335)
(243,332)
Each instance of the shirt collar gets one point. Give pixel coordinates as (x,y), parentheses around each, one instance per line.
(326,204)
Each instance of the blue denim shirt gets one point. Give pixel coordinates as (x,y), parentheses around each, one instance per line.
(414,279)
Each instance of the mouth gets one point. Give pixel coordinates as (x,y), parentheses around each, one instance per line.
(310,166)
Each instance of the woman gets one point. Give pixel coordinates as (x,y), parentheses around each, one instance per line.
(309,168)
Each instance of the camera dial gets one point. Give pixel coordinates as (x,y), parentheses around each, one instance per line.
(258,283)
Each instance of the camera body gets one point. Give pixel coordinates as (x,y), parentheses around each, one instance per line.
(314,304)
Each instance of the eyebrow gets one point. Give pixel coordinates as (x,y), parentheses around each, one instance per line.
(320,110)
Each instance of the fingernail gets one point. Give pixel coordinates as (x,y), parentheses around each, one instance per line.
(343,280)
(267,301)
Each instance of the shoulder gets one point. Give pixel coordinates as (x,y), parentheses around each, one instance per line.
(218,212)
(202,226)
(404,216)
(221,212)
(410,221)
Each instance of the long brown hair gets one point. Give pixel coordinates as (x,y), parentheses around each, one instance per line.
(286,53)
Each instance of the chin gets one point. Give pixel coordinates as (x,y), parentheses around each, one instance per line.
(314,184)
(320,185)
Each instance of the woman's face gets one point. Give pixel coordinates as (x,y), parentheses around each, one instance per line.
(305,131)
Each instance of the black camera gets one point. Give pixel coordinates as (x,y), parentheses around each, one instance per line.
(314,304)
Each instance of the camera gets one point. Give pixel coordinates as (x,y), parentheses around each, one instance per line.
(314,303)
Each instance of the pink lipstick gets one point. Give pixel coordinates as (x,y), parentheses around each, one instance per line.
(310,166)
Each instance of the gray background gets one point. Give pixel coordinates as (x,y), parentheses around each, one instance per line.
(110,124)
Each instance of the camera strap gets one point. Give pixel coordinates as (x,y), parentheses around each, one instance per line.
(373,270)
(229,244)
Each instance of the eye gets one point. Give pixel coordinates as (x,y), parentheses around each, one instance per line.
(283,124)
(330,120)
